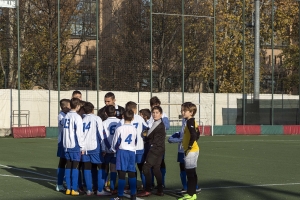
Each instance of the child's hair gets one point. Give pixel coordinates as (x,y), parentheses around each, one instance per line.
(64,103)
(88,107)
(157,108)
(190,107)
(130,105)
(75,102)
(110,95)
(110,110)
(128,115)
(76,92)
(154,101)
(146,113)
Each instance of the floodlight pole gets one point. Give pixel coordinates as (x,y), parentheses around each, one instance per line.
(299,52)
(257,51)
(19,64)
(58,57)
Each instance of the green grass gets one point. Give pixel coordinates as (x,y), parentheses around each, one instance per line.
(229,167)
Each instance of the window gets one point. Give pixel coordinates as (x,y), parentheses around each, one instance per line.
(84,23)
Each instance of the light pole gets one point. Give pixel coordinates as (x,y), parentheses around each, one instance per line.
(299,52)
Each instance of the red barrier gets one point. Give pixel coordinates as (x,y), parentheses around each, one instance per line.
(207,130)
(248,130)
(291,129)
(29,132)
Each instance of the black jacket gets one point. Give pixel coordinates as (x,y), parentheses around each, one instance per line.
(119,112)
(156,138)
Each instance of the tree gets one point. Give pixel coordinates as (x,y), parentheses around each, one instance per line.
(39,37)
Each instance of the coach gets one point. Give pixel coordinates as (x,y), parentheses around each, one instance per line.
(109,99)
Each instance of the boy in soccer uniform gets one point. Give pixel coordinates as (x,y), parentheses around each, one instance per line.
(65,108)
(72,142)
(154,101)
(145,114)
(191,149)
(124,143)
(92,134)
(109,127)
(139,123)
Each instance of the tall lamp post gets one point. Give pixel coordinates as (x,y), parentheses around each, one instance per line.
(299,52)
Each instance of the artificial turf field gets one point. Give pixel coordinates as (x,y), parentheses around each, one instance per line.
(229,167)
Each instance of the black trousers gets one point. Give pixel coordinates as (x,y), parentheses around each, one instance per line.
(153,160)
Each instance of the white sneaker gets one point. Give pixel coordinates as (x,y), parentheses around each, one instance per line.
(60,188)
(198,190)
(89,193)
(103,193)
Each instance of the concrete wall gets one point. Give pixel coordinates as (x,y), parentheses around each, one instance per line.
(42,105)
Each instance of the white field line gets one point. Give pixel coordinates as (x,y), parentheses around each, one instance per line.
(250,186)
(243,186)
(26,177)
(15,168)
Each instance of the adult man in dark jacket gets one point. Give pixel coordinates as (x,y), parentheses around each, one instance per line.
(109,99)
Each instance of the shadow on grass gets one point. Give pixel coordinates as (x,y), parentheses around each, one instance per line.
(211,190)
(224,190)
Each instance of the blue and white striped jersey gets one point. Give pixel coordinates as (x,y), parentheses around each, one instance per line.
(109,128)
(139,123)
(61,117)
(125,138)
(72,133)
(92,133)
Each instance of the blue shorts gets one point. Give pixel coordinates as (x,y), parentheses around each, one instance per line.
(73,156)
(110,158)
(125,160)
(60,152)
(180,157)
(93,158)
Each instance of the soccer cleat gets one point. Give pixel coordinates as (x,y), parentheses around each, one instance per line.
(89,193)
(143,194)
(103,193)
(74,193)
(182,191)
(60,188)
(198,190)
(117,198)
(159,194)
(68,191)
(188,197)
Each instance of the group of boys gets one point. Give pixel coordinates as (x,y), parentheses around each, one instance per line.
(114,138)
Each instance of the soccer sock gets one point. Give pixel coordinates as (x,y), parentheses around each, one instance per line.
(88,179)
(94,172)
(163,175)
(183,179)
(68,178)
(121,186)
(101,179)
(132,183)
(143,180)
(75,179)
(113,178)
(60,175)
(80,179)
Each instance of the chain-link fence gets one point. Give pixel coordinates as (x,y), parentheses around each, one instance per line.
(184,50)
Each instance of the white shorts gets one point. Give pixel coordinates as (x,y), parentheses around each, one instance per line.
(191,160)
